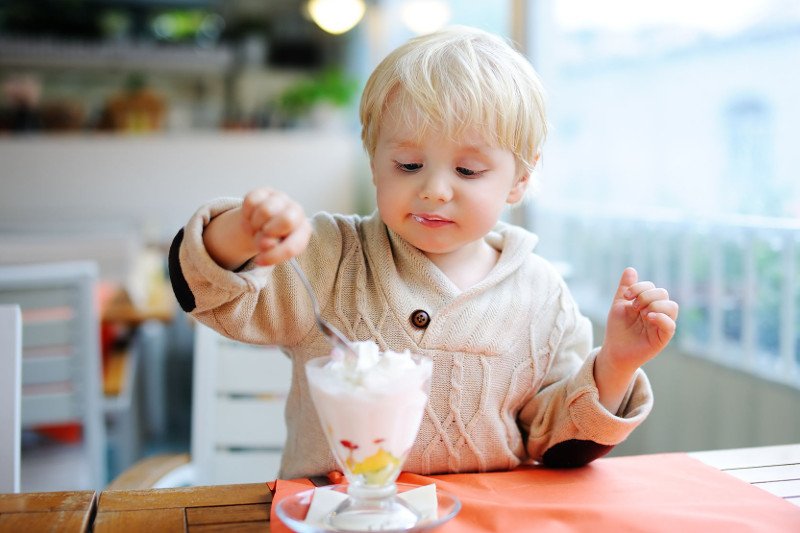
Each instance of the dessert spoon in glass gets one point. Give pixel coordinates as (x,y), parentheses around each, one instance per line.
(335,337)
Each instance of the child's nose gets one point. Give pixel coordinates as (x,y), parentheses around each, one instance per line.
(436,187)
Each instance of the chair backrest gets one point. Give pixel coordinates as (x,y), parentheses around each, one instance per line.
(239,397)
(61,366)
(10,386)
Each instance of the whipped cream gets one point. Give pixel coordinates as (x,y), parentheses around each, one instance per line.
(373,371)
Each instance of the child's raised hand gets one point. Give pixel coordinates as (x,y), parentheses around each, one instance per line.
(641,322)
(277,225)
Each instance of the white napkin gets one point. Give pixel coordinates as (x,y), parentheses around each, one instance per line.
(422,499)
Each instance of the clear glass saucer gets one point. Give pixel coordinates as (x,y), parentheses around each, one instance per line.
(293,509)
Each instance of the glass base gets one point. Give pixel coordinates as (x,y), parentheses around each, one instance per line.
(293,512)
(380,514)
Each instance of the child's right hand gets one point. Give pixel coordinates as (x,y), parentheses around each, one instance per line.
(276,224)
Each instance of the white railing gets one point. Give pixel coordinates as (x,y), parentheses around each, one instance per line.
(735,277)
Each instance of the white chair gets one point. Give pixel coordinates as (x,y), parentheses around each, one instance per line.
(61,371)
(123,260)
(238,429)
(10,392)
(114,250)
(239,397)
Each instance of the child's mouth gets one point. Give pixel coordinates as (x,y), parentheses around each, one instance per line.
(431,221)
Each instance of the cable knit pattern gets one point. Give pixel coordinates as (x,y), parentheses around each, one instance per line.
(513,364)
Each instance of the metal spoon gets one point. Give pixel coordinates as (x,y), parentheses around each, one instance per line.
(336,338)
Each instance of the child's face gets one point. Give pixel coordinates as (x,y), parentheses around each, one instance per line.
(440,195)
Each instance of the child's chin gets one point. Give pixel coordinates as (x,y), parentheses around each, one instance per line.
(434,249)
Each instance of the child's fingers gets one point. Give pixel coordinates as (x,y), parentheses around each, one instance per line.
(665,307)
(628,278)
(289,247)
(265,242)
(666,325)
(270,207)
(290,217)
(637,288)
(650,295)
(251,202)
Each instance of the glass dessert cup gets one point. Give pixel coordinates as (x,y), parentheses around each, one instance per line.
(371,420)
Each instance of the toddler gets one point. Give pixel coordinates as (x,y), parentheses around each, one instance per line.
(453,123)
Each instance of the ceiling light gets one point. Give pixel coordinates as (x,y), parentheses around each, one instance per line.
(425,16)
(336,16)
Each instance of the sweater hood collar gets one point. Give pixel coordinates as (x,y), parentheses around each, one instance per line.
(515,245)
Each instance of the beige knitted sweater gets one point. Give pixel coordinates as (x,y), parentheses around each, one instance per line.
(512,355)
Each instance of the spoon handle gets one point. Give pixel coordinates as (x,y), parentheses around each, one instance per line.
(335,337)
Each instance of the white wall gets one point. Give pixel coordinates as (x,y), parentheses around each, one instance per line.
(154,183)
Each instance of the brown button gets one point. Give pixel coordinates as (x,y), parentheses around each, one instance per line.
(420,319)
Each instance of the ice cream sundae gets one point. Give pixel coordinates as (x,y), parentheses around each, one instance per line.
(370,409)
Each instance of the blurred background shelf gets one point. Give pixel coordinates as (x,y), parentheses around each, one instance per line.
(174,59)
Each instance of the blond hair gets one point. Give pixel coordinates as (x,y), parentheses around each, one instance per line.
(455,79)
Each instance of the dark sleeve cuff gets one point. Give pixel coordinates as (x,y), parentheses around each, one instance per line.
(573,453)
(179,285)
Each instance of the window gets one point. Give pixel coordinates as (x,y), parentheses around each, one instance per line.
(673,148)
(747,124)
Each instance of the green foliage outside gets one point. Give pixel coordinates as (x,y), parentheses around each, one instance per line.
(331,86)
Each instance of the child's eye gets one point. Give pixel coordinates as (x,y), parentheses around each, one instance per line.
(407,167)
(468,172)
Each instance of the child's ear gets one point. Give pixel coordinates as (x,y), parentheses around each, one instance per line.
(517,191)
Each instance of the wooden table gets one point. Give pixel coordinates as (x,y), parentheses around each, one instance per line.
(47,511)
(245,508)
(198,509)
(776,469)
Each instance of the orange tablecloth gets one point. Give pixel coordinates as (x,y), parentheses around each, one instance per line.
(664,492)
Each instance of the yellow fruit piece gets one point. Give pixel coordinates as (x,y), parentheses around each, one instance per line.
(377,468)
